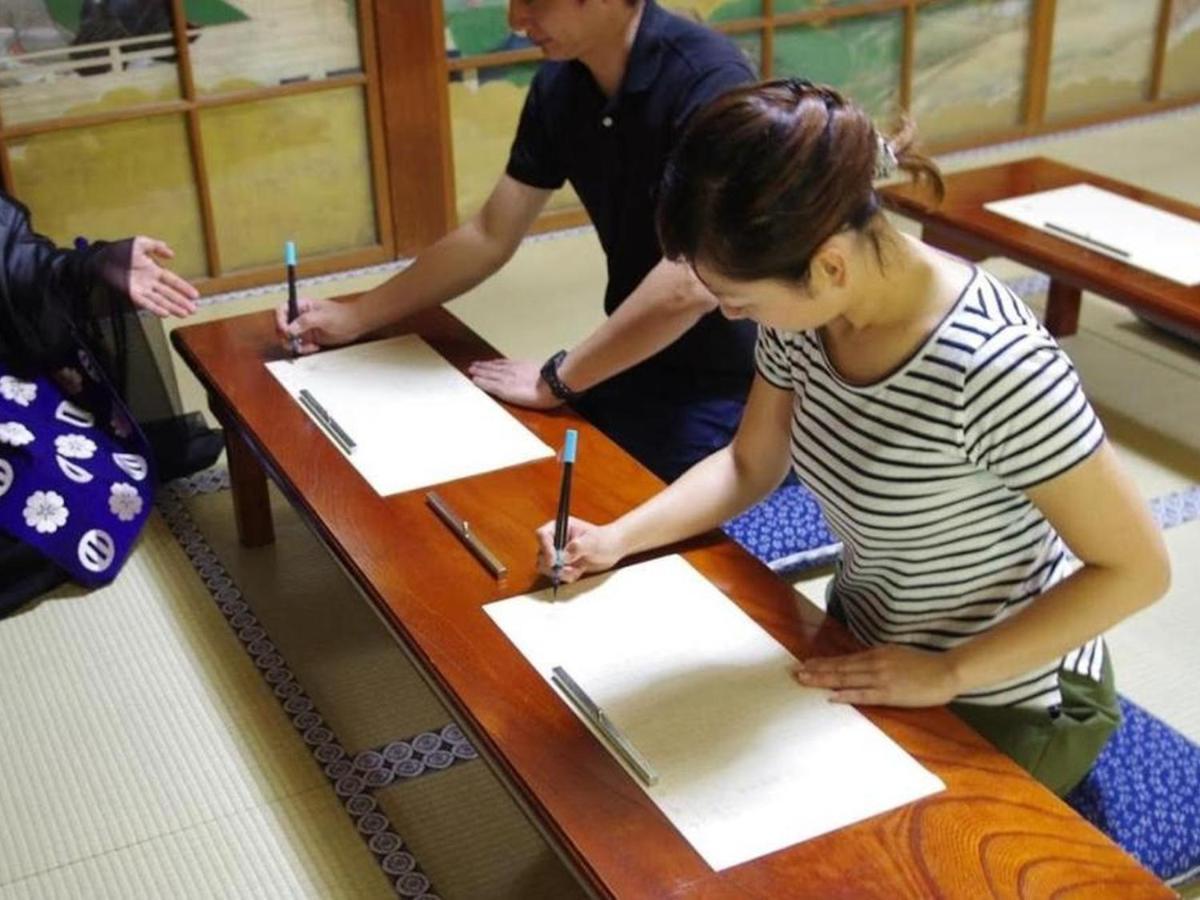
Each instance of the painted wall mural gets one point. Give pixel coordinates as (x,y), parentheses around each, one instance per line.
(860,57)
(969,70)
(270,163)
(1181,75)
(1103,51)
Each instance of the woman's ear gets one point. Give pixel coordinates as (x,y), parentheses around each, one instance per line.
(829,264)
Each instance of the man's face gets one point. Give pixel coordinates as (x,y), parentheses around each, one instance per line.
(559,27)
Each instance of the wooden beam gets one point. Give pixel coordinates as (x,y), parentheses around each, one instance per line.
(908,56)
(380,186)
(6,176)
(187,89)
(1037,71)
(416,120)
(1161,34)
(767,68)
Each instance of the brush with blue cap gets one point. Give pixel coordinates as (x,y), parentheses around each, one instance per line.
(564,504)
(289,258)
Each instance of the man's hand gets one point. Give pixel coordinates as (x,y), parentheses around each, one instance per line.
(153,287)
(888,675)
(321,323)
(590,548)
(514,381)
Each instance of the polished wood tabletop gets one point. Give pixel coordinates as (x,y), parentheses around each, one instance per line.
(993,833)
(960,225)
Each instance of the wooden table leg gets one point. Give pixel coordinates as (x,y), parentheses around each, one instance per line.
(248,482)
(1062,309)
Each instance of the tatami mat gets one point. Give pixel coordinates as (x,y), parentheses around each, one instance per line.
(302,847)
(1154,652)
(131,714)
(350,665)
(470,838)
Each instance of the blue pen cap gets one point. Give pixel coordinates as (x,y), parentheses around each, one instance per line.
(569,444)
(289,253)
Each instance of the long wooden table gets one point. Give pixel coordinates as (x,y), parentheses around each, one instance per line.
(993,833)
(960,225)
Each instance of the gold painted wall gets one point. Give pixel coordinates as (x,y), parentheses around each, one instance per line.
(291,168)
(1181,75)
(1103,52)
(969,70)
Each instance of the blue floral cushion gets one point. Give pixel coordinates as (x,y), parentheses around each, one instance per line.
(786,531)
(1144,793)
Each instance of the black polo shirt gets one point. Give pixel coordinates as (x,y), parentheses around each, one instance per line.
(613,151)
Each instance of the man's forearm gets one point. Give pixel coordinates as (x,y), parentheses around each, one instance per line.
(455,264)
(664,306)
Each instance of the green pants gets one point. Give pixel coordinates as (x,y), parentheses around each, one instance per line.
(1057,750)
(1056,747)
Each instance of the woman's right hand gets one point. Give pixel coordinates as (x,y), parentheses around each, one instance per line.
(321,323)
(590,548)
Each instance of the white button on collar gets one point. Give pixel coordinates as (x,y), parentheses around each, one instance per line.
(607,121)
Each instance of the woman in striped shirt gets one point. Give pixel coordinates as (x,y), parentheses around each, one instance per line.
(941,427)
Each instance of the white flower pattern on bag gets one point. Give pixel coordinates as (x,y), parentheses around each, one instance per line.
(125,503)
(75,446)
(19,392)
(46,512)
(15,434)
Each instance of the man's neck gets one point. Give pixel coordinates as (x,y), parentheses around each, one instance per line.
(608,61)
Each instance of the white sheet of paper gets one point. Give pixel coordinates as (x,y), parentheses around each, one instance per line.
(748,761)
(416,420)
(1155,240)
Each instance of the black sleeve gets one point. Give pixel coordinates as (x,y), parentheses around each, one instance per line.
(46,291)
(533,159)
(708,85)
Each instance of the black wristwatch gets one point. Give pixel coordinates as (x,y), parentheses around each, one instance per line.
(550,376)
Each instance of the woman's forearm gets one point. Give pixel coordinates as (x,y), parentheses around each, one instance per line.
(1074,611)
(708,494)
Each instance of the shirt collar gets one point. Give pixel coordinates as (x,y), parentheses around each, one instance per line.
(645,56)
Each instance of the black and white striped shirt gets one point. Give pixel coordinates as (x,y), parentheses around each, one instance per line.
(922,474)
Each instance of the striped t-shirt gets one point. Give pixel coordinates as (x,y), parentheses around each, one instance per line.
(922,473)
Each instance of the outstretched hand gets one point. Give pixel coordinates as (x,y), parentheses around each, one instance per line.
(888,675)
(155,288)
(514,381)
(590,548)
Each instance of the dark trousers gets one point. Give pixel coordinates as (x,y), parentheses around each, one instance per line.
(666,434)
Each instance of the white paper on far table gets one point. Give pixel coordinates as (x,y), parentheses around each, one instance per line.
(416,420)
(748,761)
(1154,239)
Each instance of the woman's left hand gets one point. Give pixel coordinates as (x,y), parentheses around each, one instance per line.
(889,675)
(155,288)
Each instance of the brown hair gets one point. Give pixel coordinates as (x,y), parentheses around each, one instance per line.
(766,173)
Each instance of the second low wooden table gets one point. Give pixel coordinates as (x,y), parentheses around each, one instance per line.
(962,226)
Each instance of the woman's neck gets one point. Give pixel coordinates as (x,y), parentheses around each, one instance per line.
(898,307)
(909,283)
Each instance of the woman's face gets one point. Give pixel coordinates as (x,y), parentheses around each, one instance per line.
(786,305)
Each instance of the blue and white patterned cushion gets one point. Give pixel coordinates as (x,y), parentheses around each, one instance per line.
(1144,793)
(786,531)
(1177,508)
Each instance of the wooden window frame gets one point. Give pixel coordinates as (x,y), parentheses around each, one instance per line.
(192,105)
(405,78)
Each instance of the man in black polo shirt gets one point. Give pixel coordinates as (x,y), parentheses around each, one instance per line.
(666,375)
